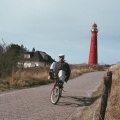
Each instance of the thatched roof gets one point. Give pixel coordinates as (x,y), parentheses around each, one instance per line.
(39,56)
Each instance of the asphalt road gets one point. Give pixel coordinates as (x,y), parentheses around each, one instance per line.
(35,104)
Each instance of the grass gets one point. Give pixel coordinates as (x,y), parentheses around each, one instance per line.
(30,77)
(113,108)
(36,76)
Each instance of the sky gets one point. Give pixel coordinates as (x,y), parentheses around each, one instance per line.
(63,26)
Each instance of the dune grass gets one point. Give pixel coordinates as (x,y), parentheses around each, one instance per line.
(113,108)
(35,76)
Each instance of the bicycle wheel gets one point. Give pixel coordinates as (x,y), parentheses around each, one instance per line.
(55,95)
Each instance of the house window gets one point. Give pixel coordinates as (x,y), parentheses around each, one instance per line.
(26,55)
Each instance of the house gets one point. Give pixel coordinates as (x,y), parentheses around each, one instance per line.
(36,58)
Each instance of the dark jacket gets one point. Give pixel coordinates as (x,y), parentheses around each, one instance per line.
(64,66)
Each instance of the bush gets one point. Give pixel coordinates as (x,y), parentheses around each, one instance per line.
(9,57)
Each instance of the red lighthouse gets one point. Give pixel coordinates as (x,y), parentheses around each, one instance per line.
(93,58)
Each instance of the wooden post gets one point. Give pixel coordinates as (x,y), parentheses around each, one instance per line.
(106,92)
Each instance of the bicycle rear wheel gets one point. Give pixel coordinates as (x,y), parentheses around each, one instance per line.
(55,95)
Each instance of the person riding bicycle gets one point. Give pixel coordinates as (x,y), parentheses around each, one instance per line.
(60,69)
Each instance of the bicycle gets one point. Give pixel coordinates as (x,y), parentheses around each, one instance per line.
(56,92)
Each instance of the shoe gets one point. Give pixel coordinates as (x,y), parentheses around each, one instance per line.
(61,83)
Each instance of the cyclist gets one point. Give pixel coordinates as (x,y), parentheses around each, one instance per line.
(60,69)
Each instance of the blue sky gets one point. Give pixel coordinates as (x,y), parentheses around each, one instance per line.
(63,26)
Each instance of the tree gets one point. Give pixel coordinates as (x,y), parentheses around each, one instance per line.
(33,50)
(9,57)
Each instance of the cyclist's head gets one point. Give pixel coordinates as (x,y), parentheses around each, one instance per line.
(61,57)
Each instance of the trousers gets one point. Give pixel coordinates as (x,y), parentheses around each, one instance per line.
(60,73)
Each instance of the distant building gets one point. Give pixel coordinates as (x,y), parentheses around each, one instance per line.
(36,58)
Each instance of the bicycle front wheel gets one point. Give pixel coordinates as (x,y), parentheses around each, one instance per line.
(55,95)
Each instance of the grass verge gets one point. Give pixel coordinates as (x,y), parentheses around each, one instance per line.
(36,76)
(87,113)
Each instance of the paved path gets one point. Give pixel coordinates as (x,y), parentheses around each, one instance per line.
(34,103)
